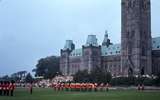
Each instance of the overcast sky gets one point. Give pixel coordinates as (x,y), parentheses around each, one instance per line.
(32,29)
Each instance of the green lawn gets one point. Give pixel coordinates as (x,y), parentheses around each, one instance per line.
(49,94)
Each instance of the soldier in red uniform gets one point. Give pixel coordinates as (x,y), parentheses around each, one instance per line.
(142,87)
(1,88)
(139,87)
(30,88)
(4,87)
(7,88)
(1,83)
(11,88)
(95,87)
(107,87)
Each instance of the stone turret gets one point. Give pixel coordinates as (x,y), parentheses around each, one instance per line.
(69,45)
(91,56)
(91,40)
(64,59)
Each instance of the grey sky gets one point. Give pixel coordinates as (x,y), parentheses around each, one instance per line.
(31,29)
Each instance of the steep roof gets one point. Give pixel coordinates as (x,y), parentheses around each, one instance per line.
(115,49)
(111,50)
(76,52)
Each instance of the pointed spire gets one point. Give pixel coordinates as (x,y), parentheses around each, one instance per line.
(106,33)
(106,41)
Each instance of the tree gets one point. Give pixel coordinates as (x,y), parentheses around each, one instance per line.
(47,67)
(29,78)
(15,77)
(82,76)
(6,77)
(99,75)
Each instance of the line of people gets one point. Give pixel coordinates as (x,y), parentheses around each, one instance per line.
(86,87)
(80,87)
(7,88)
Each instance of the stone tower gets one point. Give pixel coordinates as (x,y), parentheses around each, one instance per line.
(64,59)
(91,54)
(136,37)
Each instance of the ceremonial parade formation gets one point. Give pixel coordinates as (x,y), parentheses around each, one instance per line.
(7,88)
(80,87)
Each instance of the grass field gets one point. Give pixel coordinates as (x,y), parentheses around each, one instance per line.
(49,94)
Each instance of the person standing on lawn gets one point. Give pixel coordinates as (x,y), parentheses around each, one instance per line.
(1,88)
(11,88)
(7,88)
(31,88)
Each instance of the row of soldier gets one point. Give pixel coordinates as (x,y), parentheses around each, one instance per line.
(6,88)
(86,87)
(80,87)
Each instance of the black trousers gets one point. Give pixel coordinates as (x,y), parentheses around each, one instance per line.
(11,93)
(0,92)
(7,92)
(31,90)
(4,92)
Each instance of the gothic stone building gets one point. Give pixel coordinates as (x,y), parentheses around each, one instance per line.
(138,53)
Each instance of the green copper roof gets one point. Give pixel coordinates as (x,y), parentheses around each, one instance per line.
(111,50)
(114,49)
(69,45)
(76,52)
(91,40)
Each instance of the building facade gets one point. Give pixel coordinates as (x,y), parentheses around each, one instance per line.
(138,53)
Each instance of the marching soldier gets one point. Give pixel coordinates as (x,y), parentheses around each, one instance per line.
(82,87)
(107,87)
(78,86)
(139,87)
(66,86)
(7,88)
(89,87)
(85,87)
(31,88)
(4,88)
(142,87)
(72,86)
(1,83)
(95,87)
(11,88)
(101,87)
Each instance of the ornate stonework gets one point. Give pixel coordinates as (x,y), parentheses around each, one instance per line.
(138,53)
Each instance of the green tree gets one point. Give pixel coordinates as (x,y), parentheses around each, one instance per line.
(99,75)
(81,76)
(47,67)
(29,78)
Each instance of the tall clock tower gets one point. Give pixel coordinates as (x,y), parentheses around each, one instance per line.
(136,37)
